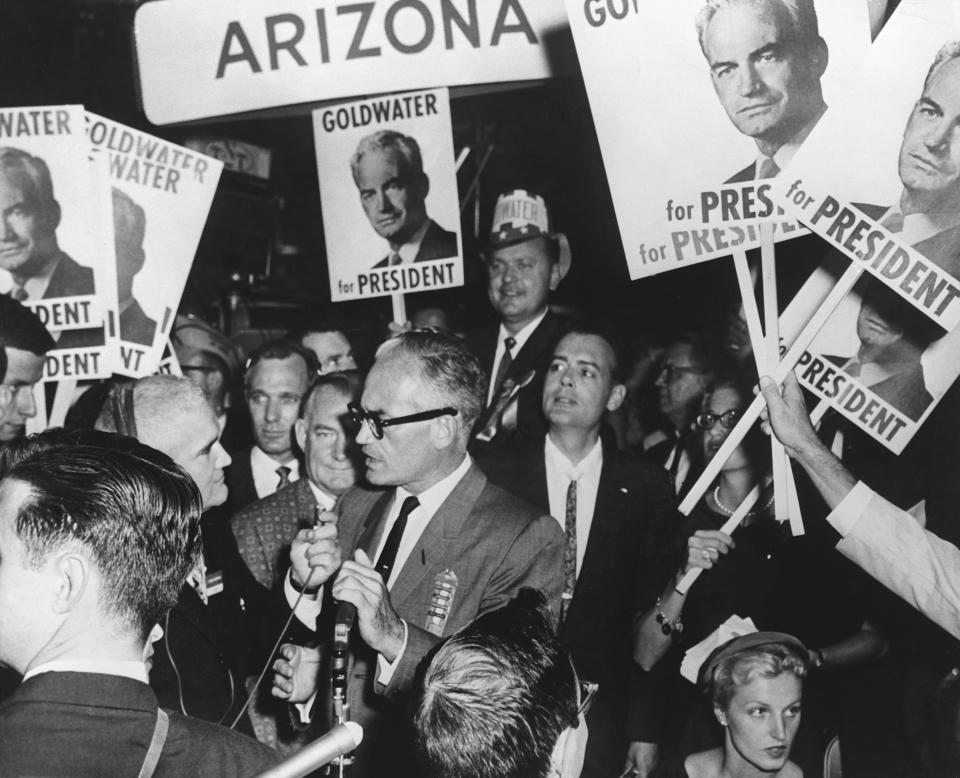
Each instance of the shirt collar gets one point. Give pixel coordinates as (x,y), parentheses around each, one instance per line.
(920,226)
(557,461)
(522,336)
(409,250)
(261,461)
(122,667)
(36,286)
(431,499)
(323,499)
(783,155)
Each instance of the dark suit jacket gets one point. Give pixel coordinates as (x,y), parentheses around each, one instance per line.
(239,479)
(69,278)
(535,354)
(136,326)
(264,529)
(943,249)
(437,243)
(630,540)
(906,391)
(86,725)
(749,173)
(492,542)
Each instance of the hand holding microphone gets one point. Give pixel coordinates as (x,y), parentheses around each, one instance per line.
(315,552)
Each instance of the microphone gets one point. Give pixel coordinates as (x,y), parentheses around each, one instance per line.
(338,741)
(346,616)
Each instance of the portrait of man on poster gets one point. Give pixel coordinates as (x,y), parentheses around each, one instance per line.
(766,59)
(387,168)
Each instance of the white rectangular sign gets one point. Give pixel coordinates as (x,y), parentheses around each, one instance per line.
(219,57)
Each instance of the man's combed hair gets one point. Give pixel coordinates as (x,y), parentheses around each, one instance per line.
(496,696)
(448,366)
(949,51)
(389,139)
(17,159)
(281,349)
(20,328)
(131,507)
(802,29)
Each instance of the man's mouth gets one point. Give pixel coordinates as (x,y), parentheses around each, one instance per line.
(926,164)
(756,108)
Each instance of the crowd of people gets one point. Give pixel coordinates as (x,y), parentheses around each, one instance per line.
(499,508)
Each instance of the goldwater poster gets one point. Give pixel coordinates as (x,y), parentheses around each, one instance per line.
(388,192)
(696,112)
(160,195)
(879,178)
(54,256)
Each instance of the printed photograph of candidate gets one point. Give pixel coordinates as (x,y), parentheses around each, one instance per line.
(766,60)
(129,230)
(387,168)
(893,336)
(927,214)
(29,249)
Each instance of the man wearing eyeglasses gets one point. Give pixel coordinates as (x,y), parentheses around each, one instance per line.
(688,367)
(612,506)
(425,555)
(25,341)
(502,698)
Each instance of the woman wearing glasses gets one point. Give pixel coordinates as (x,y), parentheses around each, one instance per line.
(740,573)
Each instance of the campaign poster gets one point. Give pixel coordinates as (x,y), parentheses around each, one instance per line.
(388,192)
(878,360)
(160,194)
(879,178)
(53,254)
(691,135)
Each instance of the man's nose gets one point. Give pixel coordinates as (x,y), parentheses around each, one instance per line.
(340,448)
(272,412)
(748,80)
(7,229)
(221,457)
(384,203)
(25,402)
(939,137)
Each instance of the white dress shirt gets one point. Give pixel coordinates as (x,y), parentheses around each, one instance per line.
(783,155)
(409,250)
(920,226)
(560,472)
(521,338)
(122,667)
(264,468)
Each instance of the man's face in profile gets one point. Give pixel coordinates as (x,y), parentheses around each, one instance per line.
(766,85)
(16,393)
(28,226)
(929,162)
(392,194)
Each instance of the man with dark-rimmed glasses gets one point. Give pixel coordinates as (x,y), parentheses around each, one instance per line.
(501,699)
(421,557)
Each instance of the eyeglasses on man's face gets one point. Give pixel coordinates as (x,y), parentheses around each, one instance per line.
(376,423)
(727,419)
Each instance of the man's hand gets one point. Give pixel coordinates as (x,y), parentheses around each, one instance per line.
(641,759)
(315,553)
(295,673)
(380,626)
(787,415)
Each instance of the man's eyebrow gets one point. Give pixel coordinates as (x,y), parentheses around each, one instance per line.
(924,100)
(588,363)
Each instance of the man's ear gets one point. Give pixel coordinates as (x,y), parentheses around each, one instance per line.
(819,58)
(73,576)
(300,434)
(53,215)
(445,431)
(617,396)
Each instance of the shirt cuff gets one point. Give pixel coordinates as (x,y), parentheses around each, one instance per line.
(385,669)
(309,606)
(851,508)
(304,708)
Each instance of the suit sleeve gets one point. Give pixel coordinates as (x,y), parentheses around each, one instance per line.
(534,559)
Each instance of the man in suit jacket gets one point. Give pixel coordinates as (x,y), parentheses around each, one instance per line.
(83,589)
(387,168)
(448,545)
(927,215)
(526,260)
(129,231)
(776,100)
(276,377)
(264,529)
(618,514)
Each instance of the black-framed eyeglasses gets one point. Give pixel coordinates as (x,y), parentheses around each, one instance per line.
(376,424)
(670,371)
(588,691)
(727,419)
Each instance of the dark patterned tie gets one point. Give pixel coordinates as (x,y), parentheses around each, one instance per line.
(283,473)
(505,362)
(389,554)
(570,550)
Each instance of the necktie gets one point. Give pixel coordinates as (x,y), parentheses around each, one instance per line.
(893,222)
(19,293)
(394,258)
(505,362)
(283,473)
(570,550)
(768,168)
(678,451)
(389,554)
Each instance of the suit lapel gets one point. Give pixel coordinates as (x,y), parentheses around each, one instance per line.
(372,529)
(531,354)
(442,530)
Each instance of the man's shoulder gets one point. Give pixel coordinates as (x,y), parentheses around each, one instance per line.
(202,748)
(70,278)
(870,210)
(437,243)
(747,174)
(281,500)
